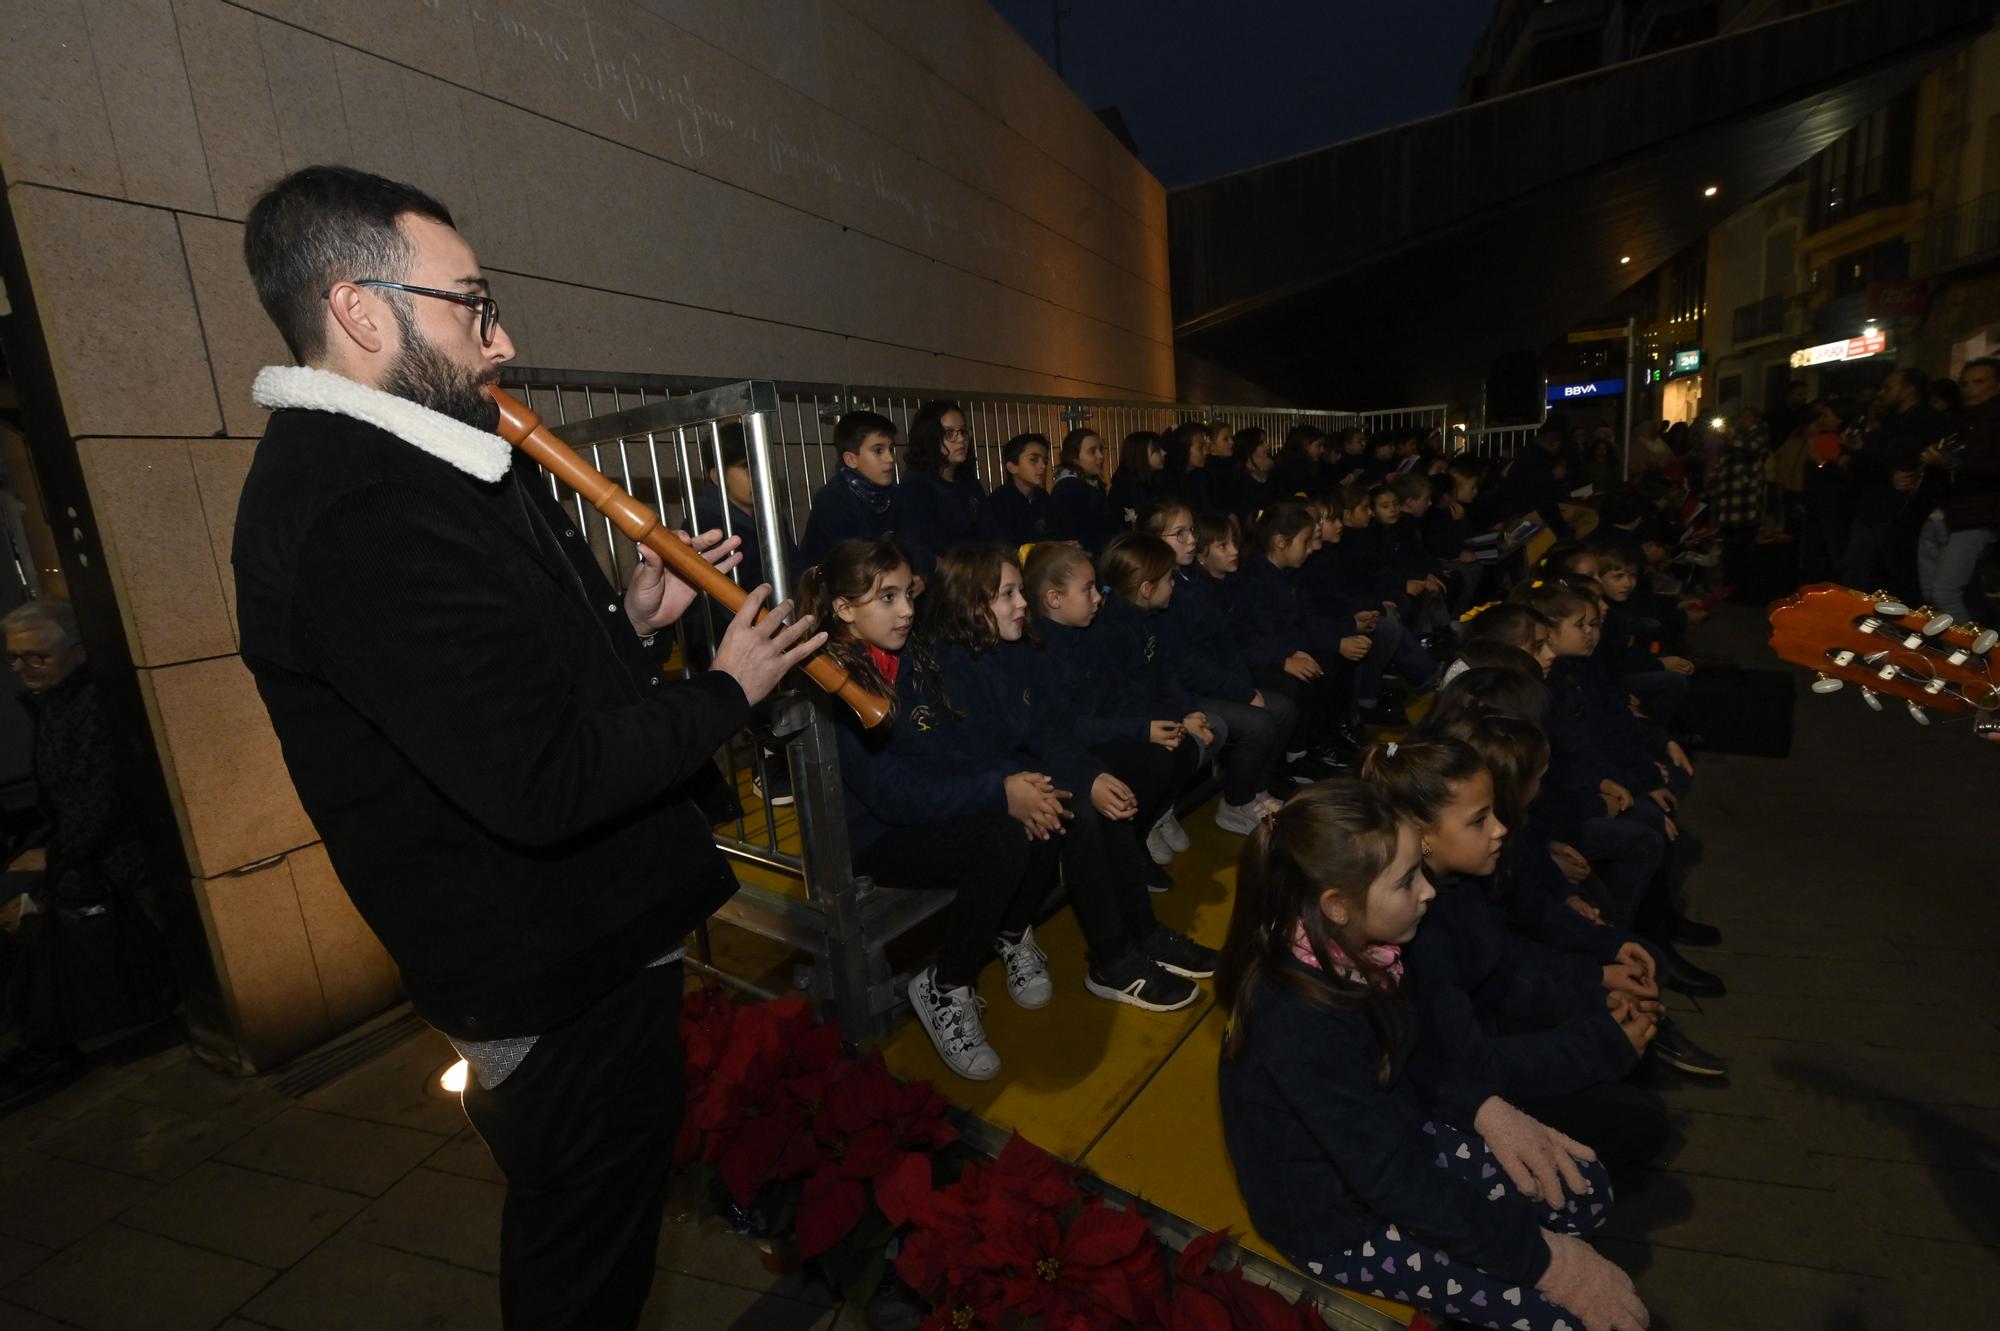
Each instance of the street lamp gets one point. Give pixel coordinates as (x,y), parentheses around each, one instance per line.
(1711,191)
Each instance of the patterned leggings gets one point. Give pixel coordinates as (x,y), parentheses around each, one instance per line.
(1390,1266)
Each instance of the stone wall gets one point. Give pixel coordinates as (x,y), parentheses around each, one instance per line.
(864,191)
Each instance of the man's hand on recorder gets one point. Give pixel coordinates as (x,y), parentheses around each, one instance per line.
(757,655)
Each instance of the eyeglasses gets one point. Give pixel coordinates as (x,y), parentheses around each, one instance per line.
(958,434)
(34,660)
(488,308)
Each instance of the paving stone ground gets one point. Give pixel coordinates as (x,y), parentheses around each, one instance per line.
(1846,1178)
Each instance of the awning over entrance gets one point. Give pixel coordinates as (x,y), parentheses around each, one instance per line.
(1396,266)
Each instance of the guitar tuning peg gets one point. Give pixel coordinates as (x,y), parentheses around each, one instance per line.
(1873,699)
(1937,624)
(1918,714)
(1891,609)
(1984,642)
(1828,684)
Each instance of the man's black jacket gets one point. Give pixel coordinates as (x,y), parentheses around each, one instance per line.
(502,775)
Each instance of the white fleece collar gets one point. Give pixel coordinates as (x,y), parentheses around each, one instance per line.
(472,451)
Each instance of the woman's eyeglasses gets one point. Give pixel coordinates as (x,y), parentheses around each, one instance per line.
(488,308)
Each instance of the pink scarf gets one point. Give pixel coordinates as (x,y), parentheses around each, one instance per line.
(1388,956)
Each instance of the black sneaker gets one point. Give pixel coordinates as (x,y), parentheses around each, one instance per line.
(1180,954)
(780,785)
(1142,982)
(1158,879)
(1672,1047)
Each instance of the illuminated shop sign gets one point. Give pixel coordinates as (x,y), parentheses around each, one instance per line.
(1687,362)
(1595,388)
(1871,343)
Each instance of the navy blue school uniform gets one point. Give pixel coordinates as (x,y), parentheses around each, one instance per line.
(1006,707)
(1326,1150)
(939,515)
(1511,1012)
(1253,496)
(1079,511)
(1130,496)
(926,766)
(1271,617)
(1188,487)
(1577,763)
(1401,550)
(1536,905)
(1223,481)
(1295,475)
(1082,667)
(1198,643)
(1444,535)
(1135,643)
(1012,517)
(849,507)
(750,573)
(1340,585)
(1531,486)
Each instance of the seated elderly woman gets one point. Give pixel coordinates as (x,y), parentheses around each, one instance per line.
(86,958)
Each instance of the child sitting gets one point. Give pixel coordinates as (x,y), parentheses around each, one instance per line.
(1464,1205)
(975,617)
(1197,646)
(1516,626)
(1127,709)
(1630,641)
(1017,513)
(1136,483)
(1078,508)
(860,502)
(1256,473)
(928,807)
(940,490)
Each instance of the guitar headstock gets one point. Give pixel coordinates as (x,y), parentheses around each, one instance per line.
(1885,647)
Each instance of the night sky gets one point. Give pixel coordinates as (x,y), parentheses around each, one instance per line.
(1213,86)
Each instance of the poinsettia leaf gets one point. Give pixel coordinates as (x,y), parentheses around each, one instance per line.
(1196,1311)
(869,1152)
(1197,1256)
(829,1208)
(1100,1235)
(904,1187)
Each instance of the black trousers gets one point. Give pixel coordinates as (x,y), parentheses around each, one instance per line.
(584,1131)
(999,872)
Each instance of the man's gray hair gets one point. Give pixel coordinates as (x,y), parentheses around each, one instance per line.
(47,613)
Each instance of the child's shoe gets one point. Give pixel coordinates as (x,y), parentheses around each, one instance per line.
(1173,833)
(1135,979)
(1027,971)
(1178,953)
(1242,819)
(1157,844)
(951,1018)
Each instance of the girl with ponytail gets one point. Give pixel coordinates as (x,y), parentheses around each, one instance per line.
(1553,1031)
(1466,1206)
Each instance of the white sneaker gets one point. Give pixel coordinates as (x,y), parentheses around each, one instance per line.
(1242,819)
(1266,804)
(1027,965)
(1157,844)
(951,1018)
(1174,834)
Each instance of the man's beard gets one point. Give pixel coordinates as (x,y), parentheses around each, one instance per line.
(425,376)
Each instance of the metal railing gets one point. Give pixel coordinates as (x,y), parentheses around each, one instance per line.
(657,437)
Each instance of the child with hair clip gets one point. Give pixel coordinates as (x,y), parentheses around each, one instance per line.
(1128,711)
(1136,483)
(1461,1203)
(1196,643)
(974,619)
(1288,643)
(860,501)
(1589,801)
(929,808)
(940,489)
(1017,512)
(1540,904)
(1553,1031)
(1078,507)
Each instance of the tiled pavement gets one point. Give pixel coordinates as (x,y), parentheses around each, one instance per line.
(1847,1178)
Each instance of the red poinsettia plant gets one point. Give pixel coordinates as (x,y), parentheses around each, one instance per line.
(796,1131)
(803,1139)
